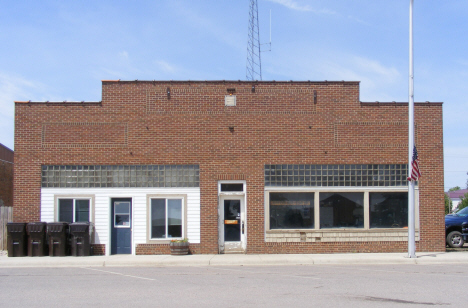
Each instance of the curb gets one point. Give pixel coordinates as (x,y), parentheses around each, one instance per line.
(235,260)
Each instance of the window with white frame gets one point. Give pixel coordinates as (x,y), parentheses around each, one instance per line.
(73,210)
(166,218)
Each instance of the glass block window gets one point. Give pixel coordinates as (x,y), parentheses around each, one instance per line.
(121,176)
(336,175)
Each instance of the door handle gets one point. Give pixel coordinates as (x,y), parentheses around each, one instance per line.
(242,227)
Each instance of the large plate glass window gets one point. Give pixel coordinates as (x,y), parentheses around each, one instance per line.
(166,218)
(388,209)
(341,210)
(294,210)
(73,210)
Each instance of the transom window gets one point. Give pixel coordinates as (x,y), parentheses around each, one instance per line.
(73,210)
(232,187)
(166,218)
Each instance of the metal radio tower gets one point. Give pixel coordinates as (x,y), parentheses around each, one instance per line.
(254,63)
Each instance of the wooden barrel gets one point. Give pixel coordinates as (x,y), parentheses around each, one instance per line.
(178,249)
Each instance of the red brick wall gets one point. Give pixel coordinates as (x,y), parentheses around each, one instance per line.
(162,249)
(279,123)
(104,134)
(98,249)
(6,154)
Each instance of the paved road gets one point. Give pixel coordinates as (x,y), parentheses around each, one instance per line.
(241,286)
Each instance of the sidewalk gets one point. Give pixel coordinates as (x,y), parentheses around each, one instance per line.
(235,260)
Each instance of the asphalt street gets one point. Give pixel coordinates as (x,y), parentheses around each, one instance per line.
(397,285)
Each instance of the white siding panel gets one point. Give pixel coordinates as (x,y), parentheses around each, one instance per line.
(139,219)
(193,217)
(139,197)
(101,218)
(47,207)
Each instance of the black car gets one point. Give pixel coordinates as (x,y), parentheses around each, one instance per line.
(456,228)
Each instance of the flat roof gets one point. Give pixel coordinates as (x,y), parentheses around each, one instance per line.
(58,103)
(231,81)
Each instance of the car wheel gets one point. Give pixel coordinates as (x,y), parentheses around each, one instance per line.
(455,239)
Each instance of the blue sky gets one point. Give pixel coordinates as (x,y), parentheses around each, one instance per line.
(61,50)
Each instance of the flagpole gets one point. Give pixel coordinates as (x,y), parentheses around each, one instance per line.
(411,228)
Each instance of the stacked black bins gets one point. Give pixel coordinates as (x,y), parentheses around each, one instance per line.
(58,239)
(80,233)
(16,239)
(37,244)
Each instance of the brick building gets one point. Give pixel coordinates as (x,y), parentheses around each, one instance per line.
(234,166)
(6,176)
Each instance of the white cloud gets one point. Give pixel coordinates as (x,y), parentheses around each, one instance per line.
(378,82)
(463,62)
(105,73)
(14,88)
(213,28)
(293,5)
(166,67)
(390,74)
(358,20)
(119,65)
(123,55)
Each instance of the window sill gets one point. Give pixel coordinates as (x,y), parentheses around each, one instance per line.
(161,241)
(338,230)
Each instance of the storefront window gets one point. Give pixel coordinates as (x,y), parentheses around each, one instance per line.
(388,209)
(291,210)
(341,210)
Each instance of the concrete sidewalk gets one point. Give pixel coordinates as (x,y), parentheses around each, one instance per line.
(235,260)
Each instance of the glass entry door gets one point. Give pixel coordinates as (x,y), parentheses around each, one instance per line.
(232,224)
(232,221)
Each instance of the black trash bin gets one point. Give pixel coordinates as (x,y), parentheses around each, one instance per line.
(57,233)
(37,243)
(80,233)
(16,243)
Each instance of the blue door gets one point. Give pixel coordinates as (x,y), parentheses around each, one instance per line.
(121,237)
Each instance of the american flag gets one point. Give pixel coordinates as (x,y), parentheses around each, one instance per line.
(415,174)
